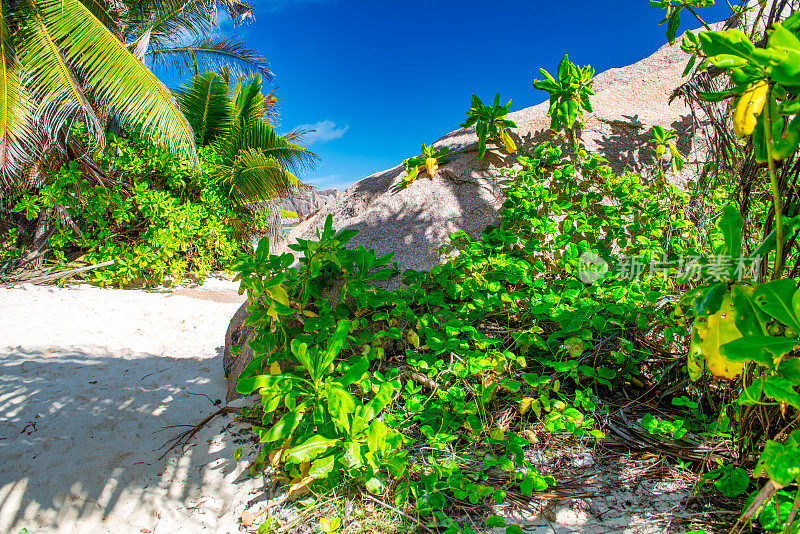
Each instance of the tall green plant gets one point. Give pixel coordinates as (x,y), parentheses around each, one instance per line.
(569,91)
(490,121)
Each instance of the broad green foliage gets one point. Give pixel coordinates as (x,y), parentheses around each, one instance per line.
(164,223)
(569,92)
(352,375)
(429,162)
(662,139)
(764,80)
(490,121)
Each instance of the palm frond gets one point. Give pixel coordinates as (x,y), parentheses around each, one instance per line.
(110,14)
(258,135)
(239,12)
(256,177)
(116,78)
(212,54)
(60,97)
(205,101)
(172,20)
(16,136)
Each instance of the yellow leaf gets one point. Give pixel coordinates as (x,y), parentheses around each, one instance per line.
(275,368)
(525,405)
(431,165)
(413,338)
(497,433)
(278,293)
(299,484)
(707,336)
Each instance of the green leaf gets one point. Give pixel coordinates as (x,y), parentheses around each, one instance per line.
(673,24)
(750,320)
(355,373)
(375,486)
(776,298)
(251,384)
(285,425)
(378,402)
(785,466)
(751,395)
(763,350)
(322,467)
(494,521)
(335,344)
(732,42)
(771,451)
(376,436)
(340,405)
(709,299)
(300,351)
(730,225)
(790,370)
(308,450)
(781,390)
(733,483)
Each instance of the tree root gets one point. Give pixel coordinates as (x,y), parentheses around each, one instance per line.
(183,438)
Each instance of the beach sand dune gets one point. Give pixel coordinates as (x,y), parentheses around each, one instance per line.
(91,380)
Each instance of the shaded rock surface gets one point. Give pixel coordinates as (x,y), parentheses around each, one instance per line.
(466,193)
(238,334)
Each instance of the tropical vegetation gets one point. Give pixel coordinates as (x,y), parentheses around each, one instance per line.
(593,289)
(80,105)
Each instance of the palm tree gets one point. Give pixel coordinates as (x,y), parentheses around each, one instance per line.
(81,60)
(257,166)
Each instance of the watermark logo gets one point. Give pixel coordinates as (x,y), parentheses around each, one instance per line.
(689,268)
(591,267)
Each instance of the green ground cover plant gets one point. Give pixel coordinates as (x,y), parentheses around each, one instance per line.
(358,376)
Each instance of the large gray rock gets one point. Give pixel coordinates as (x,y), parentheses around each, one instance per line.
(233,364)
(308,202)
(466,193)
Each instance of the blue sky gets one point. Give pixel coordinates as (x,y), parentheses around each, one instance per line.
(377,79)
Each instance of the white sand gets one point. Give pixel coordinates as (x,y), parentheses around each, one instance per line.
(88,379)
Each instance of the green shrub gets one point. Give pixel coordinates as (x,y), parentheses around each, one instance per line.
(162,222)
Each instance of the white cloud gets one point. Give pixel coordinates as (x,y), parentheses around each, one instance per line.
(323,131)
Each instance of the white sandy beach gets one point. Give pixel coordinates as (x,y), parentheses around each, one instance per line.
(89,378)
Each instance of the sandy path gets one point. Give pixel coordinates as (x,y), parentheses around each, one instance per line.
(88,380)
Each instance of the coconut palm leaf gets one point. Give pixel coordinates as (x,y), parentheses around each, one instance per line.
(259,135)
(205,102)
(255,177)
(16,136)
(59,94)
(257,165)
(211,54)
(118,80)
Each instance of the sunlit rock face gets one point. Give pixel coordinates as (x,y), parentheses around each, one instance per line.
(466,193)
